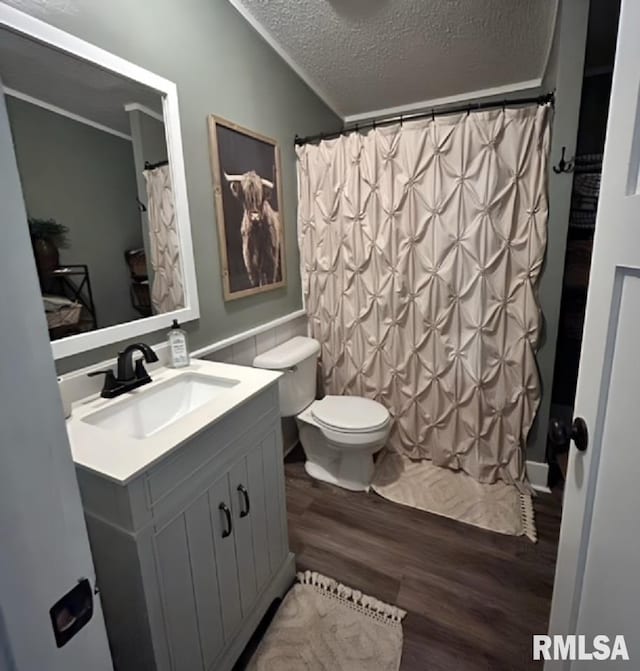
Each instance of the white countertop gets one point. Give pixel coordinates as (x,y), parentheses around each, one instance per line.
(120,457)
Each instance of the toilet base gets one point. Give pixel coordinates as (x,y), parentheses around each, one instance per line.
(344,461)
(353,473)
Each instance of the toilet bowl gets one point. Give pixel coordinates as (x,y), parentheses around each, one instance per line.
(339,434)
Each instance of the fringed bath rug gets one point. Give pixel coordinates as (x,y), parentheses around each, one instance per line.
(420,484)
(325,626)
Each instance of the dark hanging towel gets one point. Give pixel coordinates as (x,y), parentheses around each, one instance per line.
(586,190)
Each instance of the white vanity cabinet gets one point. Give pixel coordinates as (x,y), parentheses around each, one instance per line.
(190,554)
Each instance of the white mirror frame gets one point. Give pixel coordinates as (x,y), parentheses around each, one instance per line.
(43,32)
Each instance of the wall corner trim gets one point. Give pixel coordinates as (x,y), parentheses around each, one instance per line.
(461,98)
(275,45)
(65,113)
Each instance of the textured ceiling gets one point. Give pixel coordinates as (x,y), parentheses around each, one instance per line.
(65,81)
(368,55)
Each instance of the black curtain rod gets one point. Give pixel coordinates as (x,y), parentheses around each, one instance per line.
(472,107)
(153,166)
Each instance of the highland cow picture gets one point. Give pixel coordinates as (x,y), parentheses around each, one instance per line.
(246,182)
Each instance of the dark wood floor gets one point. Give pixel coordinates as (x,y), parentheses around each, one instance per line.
(474,598)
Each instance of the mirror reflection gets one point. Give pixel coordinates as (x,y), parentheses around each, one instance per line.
(92,157)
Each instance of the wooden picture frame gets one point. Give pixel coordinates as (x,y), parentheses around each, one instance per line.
(247,187)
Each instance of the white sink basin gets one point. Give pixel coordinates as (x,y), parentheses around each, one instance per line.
(148,410)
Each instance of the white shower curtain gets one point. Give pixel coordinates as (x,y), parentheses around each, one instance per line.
(421,246)
(164,250)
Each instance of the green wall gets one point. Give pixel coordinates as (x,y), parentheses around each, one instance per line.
(564,75)
(83,178)
(221,66)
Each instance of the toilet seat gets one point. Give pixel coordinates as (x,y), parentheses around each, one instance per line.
(350,414)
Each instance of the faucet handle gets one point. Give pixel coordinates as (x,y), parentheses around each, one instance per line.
(141,372)
(110,382)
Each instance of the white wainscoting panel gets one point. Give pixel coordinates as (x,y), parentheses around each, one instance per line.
(244,351)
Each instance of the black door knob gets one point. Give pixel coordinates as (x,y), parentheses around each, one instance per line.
(580,434)
(560,434)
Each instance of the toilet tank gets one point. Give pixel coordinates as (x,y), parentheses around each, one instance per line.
(296,358)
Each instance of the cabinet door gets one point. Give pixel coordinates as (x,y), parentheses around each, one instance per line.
(189,588)
(244,505)
(205,579)
(275,504)
(216,556)
(257,513)
(226,562)
(199,580)
(259,519)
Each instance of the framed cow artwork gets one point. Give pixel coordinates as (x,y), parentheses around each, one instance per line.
(248,198)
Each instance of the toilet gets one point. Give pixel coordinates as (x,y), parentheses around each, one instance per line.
(339,434)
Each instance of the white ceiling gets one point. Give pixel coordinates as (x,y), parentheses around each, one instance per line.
(370,56)
(74,85)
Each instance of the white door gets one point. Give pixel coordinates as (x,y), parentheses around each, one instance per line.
(597,584)
(44,549)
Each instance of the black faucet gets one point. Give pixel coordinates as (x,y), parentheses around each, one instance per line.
(128,376)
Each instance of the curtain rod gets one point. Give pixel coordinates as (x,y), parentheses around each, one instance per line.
(153,166)
(471,107)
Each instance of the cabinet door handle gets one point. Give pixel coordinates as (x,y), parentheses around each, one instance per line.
(227,513)
(247,504)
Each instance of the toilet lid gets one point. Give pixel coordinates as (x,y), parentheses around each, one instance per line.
(350,413)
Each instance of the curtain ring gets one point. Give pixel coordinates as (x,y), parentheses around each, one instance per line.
(357,128)
(374,124)
(401,120)
(433,115)
(504,105)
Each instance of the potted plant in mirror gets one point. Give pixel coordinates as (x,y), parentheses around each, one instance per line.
(47,238)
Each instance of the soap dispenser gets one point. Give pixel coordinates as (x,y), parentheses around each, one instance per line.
(178,349)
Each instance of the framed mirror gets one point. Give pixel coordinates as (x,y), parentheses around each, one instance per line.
(99,152)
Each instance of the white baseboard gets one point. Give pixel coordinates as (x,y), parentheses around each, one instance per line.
(289,448)
(538,473)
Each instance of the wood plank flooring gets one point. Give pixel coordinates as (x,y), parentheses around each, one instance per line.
(474,598)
